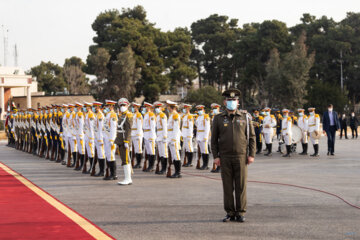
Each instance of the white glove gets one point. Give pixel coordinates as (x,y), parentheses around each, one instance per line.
(126,145)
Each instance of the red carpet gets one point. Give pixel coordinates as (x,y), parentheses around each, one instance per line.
(28,212)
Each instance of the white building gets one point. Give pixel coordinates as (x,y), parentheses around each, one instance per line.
(15,83)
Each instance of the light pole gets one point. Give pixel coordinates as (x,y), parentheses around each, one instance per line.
(341,71)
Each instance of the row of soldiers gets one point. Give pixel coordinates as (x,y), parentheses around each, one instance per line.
(268,125)
(95,132)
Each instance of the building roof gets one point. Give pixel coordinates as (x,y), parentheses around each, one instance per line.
(11,71)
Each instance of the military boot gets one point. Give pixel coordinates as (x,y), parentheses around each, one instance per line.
(138,160)
(205,158)
(151,164)
(316,151)
(190,158)
(177,165)
(288,151)
(269,148)
(74,159)
(163,166)
(81,159)
(101,166)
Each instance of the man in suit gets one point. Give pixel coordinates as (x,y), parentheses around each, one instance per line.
(330,126)
(354,122)
(343,125)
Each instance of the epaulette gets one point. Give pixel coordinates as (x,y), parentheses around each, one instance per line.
(151,114)
(162,115)
(91,115)
(138,115)
(190,116)
(289,118)
(80,114)
(129,114)
(206,116)
(176,116)
(317,115)
(295,118)
(272,116)
(261,118)
(113,115)
(59,114)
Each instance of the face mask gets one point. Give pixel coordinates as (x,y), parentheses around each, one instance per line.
(84,109)
(93,109)
(55,110)
(262,113)
(231,105)
(201,112)
(301,114)
(330,109)
(132,109)
(62,110)
(157,110)
(76,110)
(51,110)
(353,114)
(184,110)
(46,111)
(123,109)
(312,113)
(267,113)
(106,110)
(215,111)
(143,111)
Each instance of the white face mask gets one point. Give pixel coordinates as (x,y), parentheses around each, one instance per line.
(312,113)
(353,114)
(330,109)
(157,110)
(123,108)
(301,114)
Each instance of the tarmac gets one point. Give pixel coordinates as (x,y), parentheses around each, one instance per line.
(156,207)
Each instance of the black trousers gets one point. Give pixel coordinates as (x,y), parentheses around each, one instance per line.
(354,131)
(331,133)
(345,132)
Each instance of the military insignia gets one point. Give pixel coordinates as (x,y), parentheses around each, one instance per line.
(232,94)
(226,120)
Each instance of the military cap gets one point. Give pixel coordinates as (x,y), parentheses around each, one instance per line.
(310,109)
(87,104)
(214,105)
(157,104)
(187,105)
(231,93)
(171,103)
(267,109)
(110,102)
(136,104)
(123,101)
(256,111)
(285,110)
(200,107)
(71,105)
(65,105)
(97,103)
(146,104)
(77,104)
(301,110)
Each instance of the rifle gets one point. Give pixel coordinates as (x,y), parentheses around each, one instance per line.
(185,158)
(158,161)
(69,155)
(77,164)
(107,174)
(199,157)
(214,167)
(133,156)
(169,167)
(85,161)
(146,158)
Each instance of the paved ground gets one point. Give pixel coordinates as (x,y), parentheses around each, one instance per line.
(158,208)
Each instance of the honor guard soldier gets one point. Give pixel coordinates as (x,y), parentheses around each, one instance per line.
(174,134)
(54,133)
(110,127)
(233,145)
(89,126)
(149,128)
(269,123)
(258,122)
(61,115)
(215,110)
(99,138)
(59,130)
(161,136)
(48,116)
(286,126)
(123,139)
(279,119)
(314,130)
(137,134)
(303,125)
(187,133)
(202,135)
(66,131)
(72,134)
(79,129)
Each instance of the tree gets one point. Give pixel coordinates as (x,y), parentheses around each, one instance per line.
(49,77)
(75,77)
(205,96)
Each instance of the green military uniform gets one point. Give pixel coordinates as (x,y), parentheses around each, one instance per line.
(233,139)
(123,135)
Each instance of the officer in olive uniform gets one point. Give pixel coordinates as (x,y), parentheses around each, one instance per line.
(233,145)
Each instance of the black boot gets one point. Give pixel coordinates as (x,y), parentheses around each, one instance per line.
(190,158)
(90,167)
(316,151)
(102,167)
(258,147)
(81,158)
(112,167)
(74,159)
(305,147)
(138,160)
(269,147)
(288,151)
(163,166)
(205,158)
(151,164)
(177,165)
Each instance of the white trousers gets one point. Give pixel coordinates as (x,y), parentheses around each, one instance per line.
(188,144)
(90,147)
(150,146)
(268,138)
(100,150)
(313,140)
(288,139)
(137,143)
(73,144)
(162,148)
(110,149)
(174,147)
(80,144)
(203,147)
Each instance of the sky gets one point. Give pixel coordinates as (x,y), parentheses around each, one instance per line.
(48,30)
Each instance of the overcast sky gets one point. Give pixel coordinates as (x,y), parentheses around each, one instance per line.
(48,30)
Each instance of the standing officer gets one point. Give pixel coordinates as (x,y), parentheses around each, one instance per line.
(314,130)
(89,125)
(215,110)
(149,128)
(258,121)
(99,138)
(137,134)
(72,134)
(233,145)
(303,125)
(202,135)
(161,136)
(187,134)
(110,127)
(268,129)
(123,139)
(354,123)
(286,126)
(343,125)
(79,126)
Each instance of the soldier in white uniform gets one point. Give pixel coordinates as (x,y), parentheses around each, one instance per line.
(303,125)
(187,133)
(161,136)
(269,123)
(72,134)
(89,126)
(149,128)
(110,127)
(202,135)
(99,138)
(79,126)
(314,129)
(137,134)
(286,125)
(174,134)
(65,127)
(215,110)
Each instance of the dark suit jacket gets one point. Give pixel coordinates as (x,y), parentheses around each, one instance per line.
(326,121)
